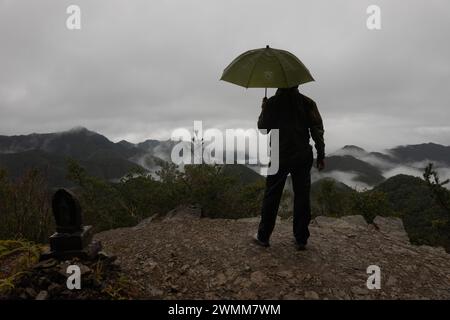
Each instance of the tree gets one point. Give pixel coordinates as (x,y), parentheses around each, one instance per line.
(101,202)
(330,200)
(25,207)
(441,194)
(370,203)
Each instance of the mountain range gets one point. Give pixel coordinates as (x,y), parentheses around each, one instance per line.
(103,158)
(360,168)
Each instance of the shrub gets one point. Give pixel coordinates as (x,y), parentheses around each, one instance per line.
(370,204)
(24,207)
(102,204)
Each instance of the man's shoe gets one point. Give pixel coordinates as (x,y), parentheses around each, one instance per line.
(264,244)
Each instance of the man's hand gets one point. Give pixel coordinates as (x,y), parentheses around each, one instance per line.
(320,164)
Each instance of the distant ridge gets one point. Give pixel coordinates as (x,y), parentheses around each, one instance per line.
(355,163)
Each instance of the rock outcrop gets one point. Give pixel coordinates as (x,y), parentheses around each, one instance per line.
(199,258)
(179,213)
(391,227)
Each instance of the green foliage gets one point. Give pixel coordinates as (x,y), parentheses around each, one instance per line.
(286,208)
(330,200)
(441,223)
(24,207)
(24,254)
(425,219)
(422,205)
(139,195)
(10,247)
(222,193)
(250,199)
(25,210)
(120,290)
(370,204)
(102,203)
(441,195)
(206,186)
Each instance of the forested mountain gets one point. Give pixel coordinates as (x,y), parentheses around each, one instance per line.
(103,158)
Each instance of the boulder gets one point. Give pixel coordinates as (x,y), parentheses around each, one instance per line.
(356,220)
(334,223)
(391,227)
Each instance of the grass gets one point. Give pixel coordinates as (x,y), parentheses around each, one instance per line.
(17,256)
(120,290)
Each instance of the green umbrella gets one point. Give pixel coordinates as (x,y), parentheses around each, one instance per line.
(267,68)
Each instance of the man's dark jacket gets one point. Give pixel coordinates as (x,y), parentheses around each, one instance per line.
(298,119)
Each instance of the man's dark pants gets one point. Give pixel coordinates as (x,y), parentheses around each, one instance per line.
(301,181)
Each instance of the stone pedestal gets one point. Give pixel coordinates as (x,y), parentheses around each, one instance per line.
(76,241)
(88,252)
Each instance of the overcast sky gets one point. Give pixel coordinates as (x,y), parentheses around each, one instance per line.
(139,69)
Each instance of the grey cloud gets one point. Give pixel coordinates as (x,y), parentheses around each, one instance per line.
(139,69)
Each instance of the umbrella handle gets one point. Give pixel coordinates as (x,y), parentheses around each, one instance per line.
(265,94)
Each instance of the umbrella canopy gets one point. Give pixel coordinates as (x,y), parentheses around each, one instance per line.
(267,68)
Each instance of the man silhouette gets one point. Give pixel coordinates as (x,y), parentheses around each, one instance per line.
(297,118)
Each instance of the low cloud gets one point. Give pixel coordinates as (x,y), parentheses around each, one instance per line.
(348,178)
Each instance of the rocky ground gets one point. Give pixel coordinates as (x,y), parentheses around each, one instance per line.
(182,256)
(101,279)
